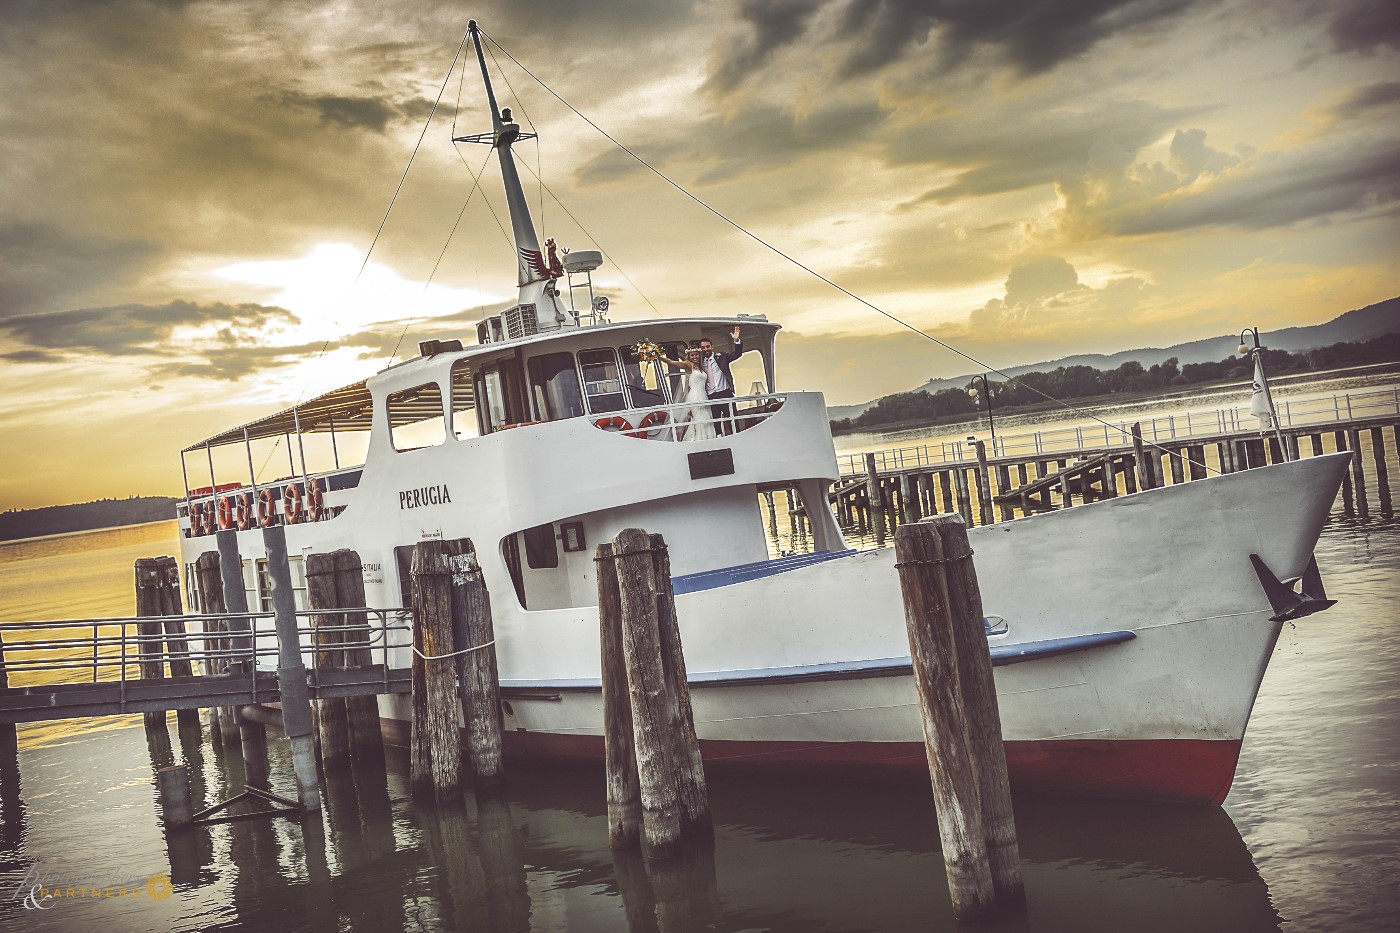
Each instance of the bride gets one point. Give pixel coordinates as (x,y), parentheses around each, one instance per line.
(695,423)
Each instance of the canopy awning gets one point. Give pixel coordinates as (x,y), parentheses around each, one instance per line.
(349,408)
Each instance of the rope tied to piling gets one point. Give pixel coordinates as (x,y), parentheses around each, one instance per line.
(924,561)
(452,654)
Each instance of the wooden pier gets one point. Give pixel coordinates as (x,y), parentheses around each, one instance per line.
(880,489)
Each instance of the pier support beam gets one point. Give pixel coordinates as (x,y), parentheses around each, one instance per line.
(149,631)
(474,635)
(250,736)
(291,672)
(435,753)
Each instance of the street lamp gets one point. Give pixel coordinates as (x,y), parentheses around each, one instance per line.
(1259,386)
(986,391)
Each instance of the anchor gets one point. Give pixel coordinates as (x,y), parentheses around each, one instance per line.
(1287,604)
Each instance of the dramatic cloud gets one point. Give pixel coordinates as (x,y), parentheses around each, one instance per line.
(42,265)
(772,24)
(1363,25)
(125,330)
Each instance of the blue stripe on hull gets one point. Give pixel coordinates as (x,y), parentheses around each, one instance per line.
(848,670)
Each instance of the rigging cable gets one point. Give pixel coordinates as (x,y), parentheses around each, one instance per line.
(810,271)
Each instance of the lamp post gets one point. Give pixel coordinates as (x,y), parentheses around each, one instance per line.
(1260,383)
(986,391)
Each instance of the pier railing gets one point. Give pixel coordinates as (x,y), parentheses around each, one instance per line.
(1211,422)
(58,656)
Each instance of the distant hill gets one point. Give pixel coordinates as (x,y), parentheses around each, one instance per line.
(1361,324)
(84,516)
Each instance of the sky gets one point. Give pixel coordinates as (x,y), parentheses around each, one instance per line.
(191,190)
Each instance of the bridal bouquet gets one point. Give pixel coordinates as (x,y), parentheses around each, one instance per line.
(647,351)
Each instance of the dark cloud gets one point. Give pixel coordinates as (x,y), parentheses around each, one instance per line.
(772,24)
(1031,36)
(756,137)
(1037,145)
(1273,189)
(1362,25)
(230,364)
(42,265)
(1362,100)
(369,113)
(132,329)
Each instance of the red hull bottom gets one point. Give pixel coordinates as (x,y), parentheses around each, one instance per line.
(1188,770)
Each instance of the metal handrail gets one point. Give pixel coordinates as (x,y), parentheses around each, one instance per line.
(203,646)
(1205,422)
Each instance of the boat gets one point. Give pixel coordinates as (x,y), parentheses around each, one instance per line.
(1129,636)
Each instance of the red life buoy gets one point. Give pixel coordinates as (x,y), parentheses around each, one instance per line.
(315,501)
(649,425)
(196,519)
(291,503)
(267,509)
(243,512)
(226,513)
(613,423)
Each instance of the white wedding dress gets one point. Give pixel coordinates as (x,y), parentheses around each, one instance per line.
(697,420)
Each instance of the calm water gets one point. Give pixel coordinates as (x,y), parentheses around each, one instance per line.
(1309,838)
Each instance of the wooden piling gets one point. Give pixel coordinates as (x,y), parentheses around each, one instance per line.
(876,498)
(223,722)
(1358,473)
(152,664)
(909,498)
(362,713)
(1382,473)
(945,485)
(291,672)
(1144,469)
(690,769)
(964,493)
(647,687)
(919,554)
(1175,456)
(984,486)
(332,720)
(474,634)
(1198,461)
(7,729)
(1003,485)
(1348,497)
(1066,494)
(1316,442)
(624,792)
(173,784)
(435,754)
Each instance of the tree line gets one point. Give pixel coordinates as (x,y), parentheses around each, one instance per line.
(83,516)
(1068,382)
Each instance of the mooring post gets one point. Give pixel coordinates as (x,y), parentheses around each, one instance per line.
(619,756)
(211,597)
(436,750)
(477,669)
(173,784)
(149,630)
(332,720)
(176,638)
(249,734)
(877,499)
(9,747)
(929,620)
(984,485)
(1358,474)
(1143,468)
(1382,473)
(291,672)
(646,681)
(366,738)
(690,768)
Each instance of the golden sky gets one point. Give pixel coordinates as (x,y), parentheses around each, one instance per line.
(190,190)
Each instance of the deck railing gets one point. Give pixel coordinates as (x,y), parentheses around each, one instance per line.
(1210,422)
(659,422)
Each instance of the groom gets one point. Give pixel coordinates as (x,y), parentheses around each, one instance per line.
(719,381)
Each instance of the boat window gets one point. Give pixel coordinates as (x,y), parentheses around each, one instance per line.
(498,397)
(416,417)
(297,567)
(554,387)
(601,382)
(643,379)
(541,551)
(676,377)
(464,420)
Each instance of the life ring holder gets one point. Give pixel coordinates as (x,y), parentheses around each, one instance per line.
(613,423)
(226,513)
(291,503)
(650,425)
(267,509)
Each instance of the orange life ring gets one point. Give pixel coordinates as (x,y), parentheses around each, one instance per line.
(196,519)
(653,420)
(291,503)
(613,423)
(267,509)
(315,501)
(243,512)
(226,513)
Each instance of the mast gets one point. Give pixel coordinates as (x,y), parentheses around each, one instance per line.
(504,133)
